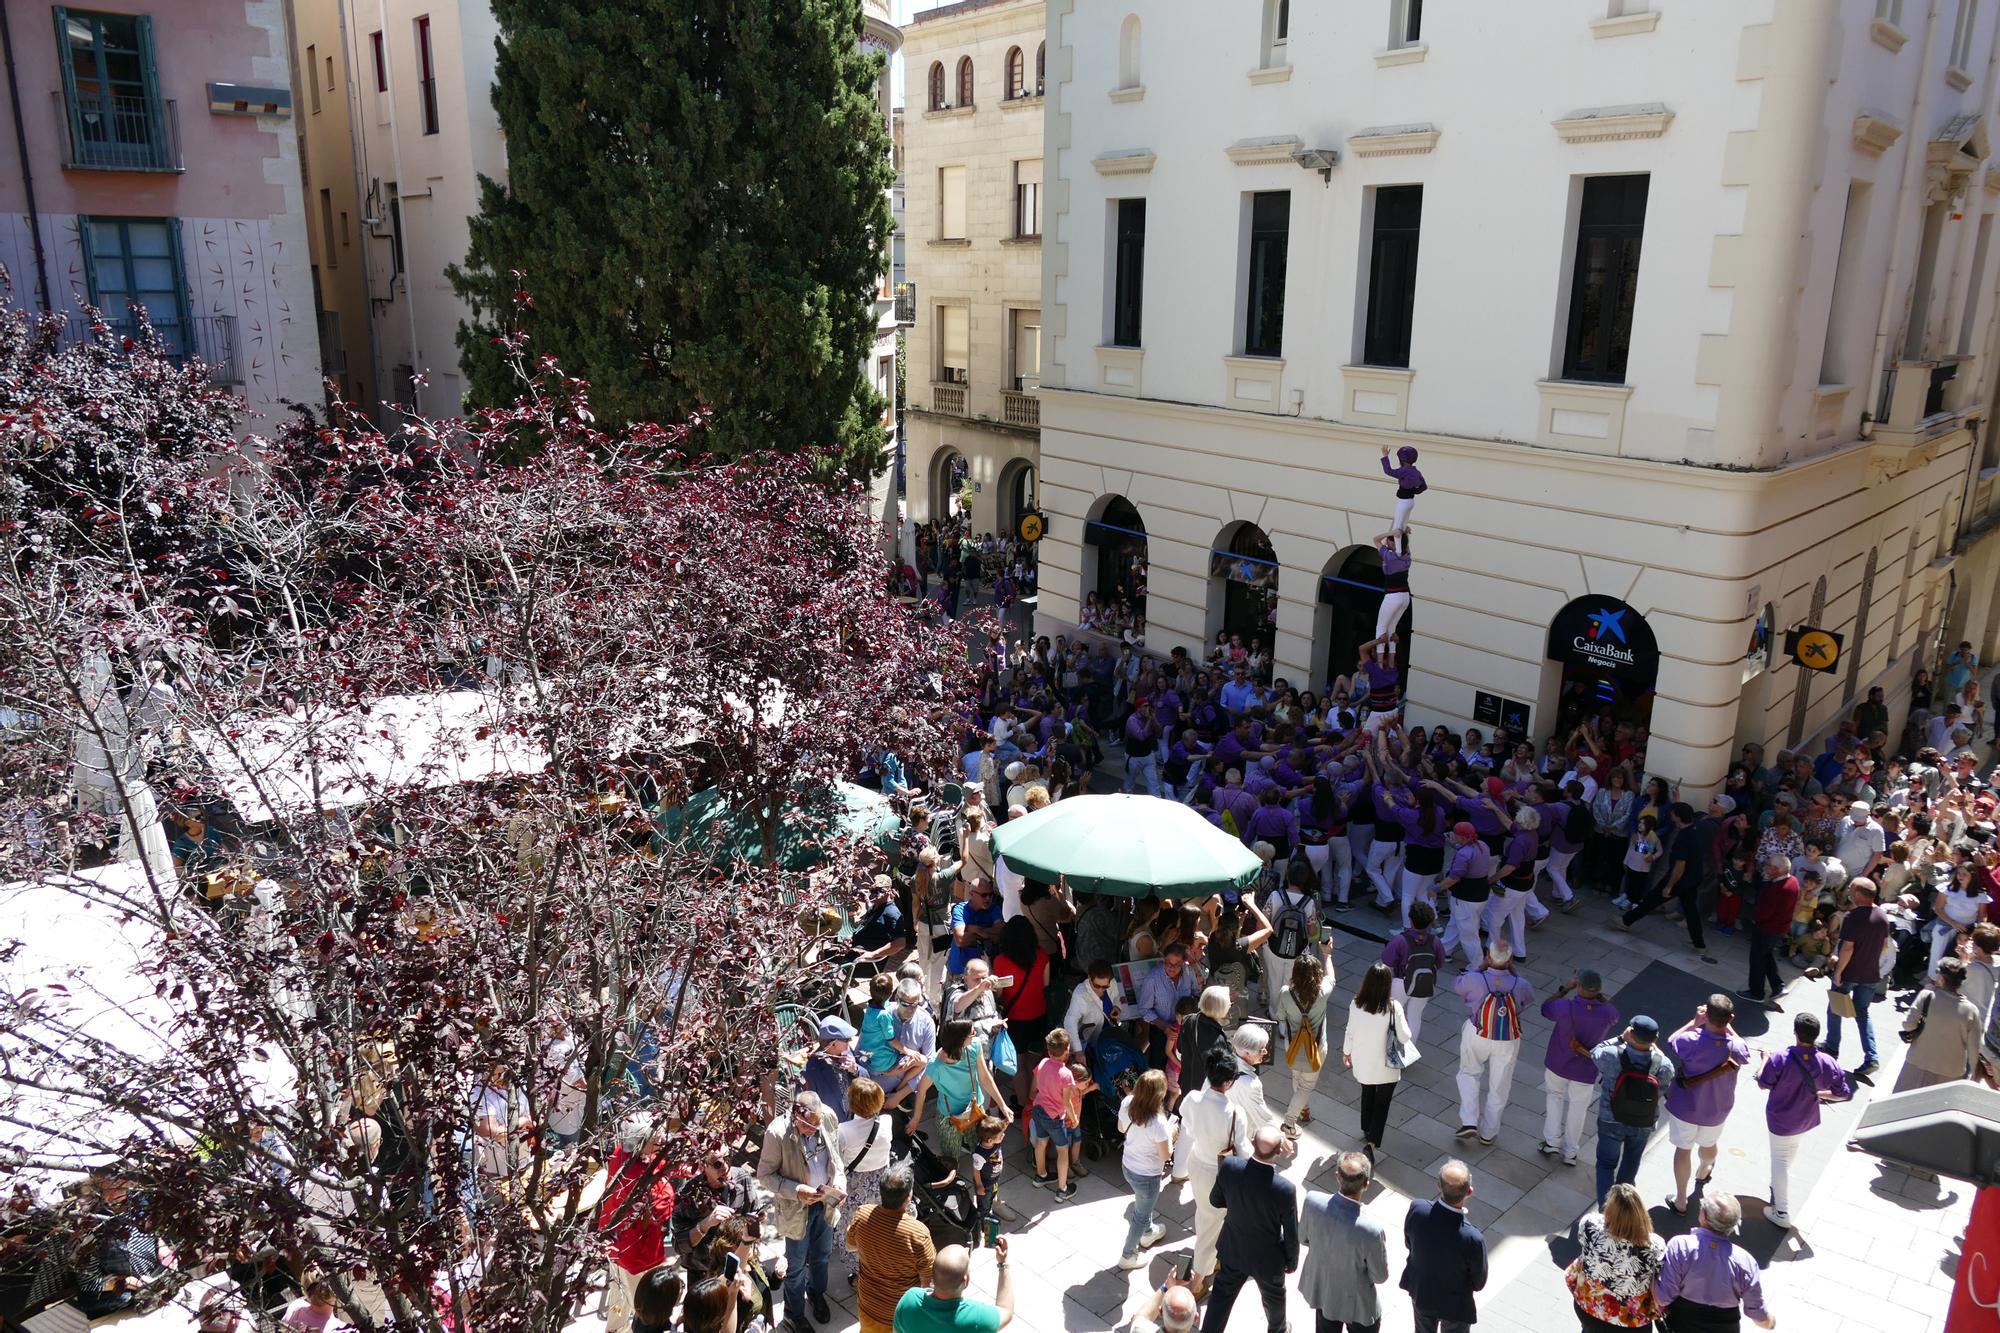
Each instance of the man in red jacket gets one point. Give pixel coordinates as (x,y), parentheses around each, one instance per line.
(637,1205)
(1770,925)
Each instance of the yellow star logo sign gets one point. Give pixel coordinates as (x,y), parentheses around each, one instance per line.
(1032,527)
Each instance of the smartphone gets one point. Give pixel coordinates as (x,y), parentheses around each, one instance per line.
(1184,1270)
(733,1262)
(1003,983)
(1325,931)
(993,1232)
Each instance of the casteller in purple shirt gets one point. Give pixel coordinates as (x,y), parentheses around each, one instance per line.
(1697,1050)
(1795,1080)
(1581,1019)
(1409,481)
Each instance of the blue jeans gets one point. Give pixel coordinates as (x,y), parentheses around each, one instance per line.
(1619,1148)
(1145,1193)
(1863,995)
(805,1262)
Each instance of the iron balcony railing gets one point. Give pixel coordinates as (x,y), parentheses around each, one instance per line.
(113,133)
(906,303)
(209,339)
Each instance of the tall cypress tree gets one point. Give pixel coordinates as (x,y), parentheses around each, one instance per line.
(697,203)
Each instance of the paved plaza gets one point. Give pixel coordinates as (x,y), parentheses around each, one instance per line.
(1873,1250)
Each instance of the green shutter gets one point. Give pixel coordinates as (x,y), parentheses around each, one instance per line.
(156,113)
(69,82)
(185,298)
(83,225)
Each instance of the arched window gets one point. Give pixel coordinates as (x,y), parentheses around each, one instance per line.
(937,85)
(965,81)
(1041,67)
(1017,73)
(1128,52)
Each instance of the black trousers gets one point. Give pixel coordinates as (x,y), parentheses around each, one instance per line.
(1765,982)
(1687,896)
(1222,1298)
(1322,1324)
(1375,1099)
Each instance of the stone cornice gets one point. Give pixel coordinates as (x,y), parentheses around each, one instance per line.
(1604,124)
(1125,162)
(1393,140)
(1876,131)
(1267,151)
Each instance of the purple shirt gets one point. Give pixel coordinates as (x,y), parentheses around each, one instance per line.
(1140,735)
(1406,476)
(1555,815)
(1387,827)
(1520,853)
(1271,823)
(1382,683)
(1795,1080)
(1481,815)
(1476,986)
(1587,1019)
(1708,1269)
(1697,1052)
(1229,749)
(1397,955)
(1472,861)
(1239,803)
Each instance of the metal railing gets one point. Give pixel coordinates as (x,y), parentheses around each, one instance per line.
(1020,409)
(110,133)
(427,92)
(332,352)
(210,339)
(906,303)
(948,399)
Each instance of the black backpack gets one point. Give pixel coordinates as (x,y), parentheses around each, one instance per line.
(1635,1097)
(1420,969)
(1579,823)
(1289,931)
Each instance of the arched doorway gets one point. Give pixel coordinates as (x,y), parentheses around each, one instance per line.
(1610,661)
(1114,562)
(1349,598)
(948,472)
(1243,589)
(1017,495)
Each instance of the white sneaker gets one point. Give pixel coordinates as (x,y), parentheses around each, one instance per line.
(1778,1219)
(1154,1236)
(1131,1261)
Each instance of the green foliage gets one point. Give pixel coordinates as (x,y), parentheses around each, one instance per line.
(697,202)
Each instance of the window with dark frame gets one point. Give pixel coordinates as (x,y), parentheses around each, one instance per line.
(1028,199)
(1281,27)
(1413,21)
(1392,275)
(381,56)
(1264,292)
(1605,281)
(312,69)
(1041,67)
(395,228)
(937,85)
(1128,287)
(426,76)
(1017,74)
(965,80)
(111,90)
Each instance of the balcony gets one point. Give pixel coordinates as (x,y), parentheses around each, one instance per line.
(210,339)
(948,399)
(1021,409)
(108,133)
(906,304)
(332,353)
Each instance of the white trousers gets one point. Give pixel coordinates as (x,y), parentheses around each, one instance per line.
(1509,908)
(1568,1107)
(1390,614)
(1207,1220)
(1385,864)
(1378,721)
(1559,875)
(1413,1010)
(1304,1079)
(1403,508)
(1482,1060)
(1333,862)
(1784,1149)
(1463,930)
(1417,889)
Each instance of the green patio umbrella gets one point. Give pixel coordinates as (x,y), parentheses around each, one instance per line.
(844,809)
(1135,846)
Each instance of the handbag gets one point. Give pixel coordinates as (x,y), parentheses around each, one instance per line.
(1398,1053)
(1840,1003)
(1923,1016)
(874,1128)
(1001,1052)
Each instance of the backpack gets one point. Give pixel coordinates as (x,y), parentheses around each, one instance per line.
(1579,823)
(1497,1018)
(1289,931)
(1635,1097)
(1420,969)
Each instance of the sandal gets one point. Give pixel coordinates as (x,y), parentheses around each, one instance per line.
(1677,1209)
(1291,1130)
(1305,1117)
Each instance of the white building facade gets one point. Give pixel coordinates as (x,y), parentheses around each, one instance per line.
(1688,308)
(974,210)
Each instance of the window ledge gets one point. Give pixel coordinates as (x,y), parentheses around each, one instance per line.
(1017,103)
(1623,25)
(951,243)
(1581,414)
(1393,140)
(1876,131)
(1030,241)
(1376,395)
(1136,93)
(1125,162)
(1603,124)
(1887,35)
(1265,151)
(946,113)
(1118,369)
(1402,55)
(1254,383)
(1957,79)
(1272,74)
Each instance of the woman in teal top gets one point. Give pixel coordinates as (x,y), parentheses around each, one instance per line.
(962,1078)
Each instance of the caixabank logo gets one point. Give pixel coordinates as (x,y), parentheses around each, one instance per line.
(1606,633)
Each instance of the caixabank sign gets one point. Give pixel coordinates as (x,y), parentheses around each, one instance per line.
(1606,634)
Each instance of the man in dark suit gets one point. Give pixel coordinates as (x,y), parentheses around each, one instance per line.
(1447,1262)
(1260,1235)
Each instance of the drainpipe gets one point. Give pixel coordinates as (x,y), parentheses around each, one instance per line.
(27,173)
(1916,132)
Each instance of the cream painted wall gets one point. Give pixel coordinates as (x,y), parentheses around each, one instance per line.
(991,272)
(1733,479)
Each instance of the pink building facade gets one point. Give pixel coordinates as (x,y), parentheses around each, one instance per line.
(150,159)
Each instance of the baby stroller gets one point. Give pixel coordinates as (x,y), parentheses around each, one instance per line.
(947,1209)
(1115,1065)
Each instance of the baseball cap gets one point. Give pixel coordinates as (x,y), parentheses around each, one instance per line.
(1728,804)
(835,1029)
(1645,1029)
